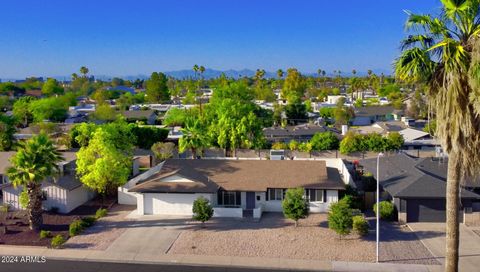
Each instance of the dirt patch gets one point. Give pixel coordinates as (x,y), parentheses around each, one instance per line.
(18,232)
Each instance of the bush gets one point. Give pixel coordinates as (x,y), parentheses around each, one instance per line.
(360,225)
(324,141)
(295,206)
(279,146)
(202,210)
(340,218)
(101,213)
(76,227)
(45,234)
(386,209)
(88,221)
(58,241)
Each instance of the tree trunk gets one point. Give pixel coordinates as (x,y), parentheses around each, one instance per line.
(296,223)
(34,207)
(453,203)
(194,153)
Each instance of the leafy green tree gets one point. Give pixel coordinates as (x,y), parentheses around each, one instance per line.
(296,112)
(35,160)
(374,142)
(175,117)
(294,86)
(157,89)
(295,206)
(293,145)
(51,87)
(163,151)
(22,112)
(147,135)
(81,134)
(194,137)
(7,130)
(52,108)
(102,166)
(202,210)
(431,127)
(350,143)
(340,218)
(84,71)
(394,141)
(324,141)
(105,112)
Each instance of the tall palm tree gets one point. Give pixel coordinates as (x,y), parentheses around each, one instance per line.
(35,160)
(440,52)
(84,71)
(280,73)
(194,137)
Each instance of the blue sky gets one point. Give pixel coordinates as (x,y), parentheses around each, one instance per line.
(118,38)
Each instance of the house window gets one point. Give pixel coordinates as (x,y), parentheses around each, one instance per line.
(276,194)
(315,195)
(229,198)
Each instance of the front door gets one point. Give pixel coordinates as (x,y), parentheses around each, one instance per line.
(250,200)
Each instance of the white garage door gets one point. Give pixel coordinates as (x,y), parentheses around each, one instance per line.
(170,204)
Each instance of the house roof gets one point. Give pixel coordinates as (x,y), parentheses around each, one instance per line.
(410,134)
(240,175)
(293,131)
(391,126)
(401,176)
(138,114)
(373,111)
(5,159)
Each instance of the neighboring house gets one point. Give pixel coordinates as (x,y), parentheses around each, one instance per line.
(418,139)
(299,133)
(232,186)
(56,130)
(147,116)
(34,93)
(366,116)
(63,192)
(417,188)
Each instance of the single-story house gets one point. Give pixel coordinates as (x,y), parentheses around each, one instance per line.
(366,116)
(234,187)
(63,191)
(299,133)
(147,116)
(417,188)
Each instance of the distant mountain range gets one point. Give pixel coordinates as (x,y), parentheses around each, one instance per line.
(209,73)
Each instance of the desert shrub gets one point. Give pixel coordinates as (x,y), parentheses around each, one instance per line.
(360,225)
(101,213)
(202,210)
(88,221)
(76,227)
(58,241)
(340,218)
(45,234)
(386,210)
(295,206)
(279,146)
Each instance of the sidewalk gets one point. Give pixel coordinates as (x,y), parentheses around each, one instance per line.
(287,264)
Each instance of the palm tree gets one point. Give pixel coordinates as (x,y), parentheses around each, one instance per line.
(194,137)
(35,160)
(440,53)
(280,73)
(195,70)
(84,71)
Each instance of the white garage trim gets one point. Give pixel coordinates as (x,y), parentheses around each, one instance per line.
(169,204)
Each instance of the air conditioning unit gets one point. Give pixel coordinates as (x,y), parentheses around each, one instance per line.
(277,155)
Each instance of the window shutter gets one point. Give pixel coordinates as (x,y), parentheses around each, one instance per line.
(238,198)
(324,196)
(219,198)
(266,194)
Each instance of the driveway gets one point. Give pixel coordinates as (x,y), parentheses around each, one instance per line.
(433,236)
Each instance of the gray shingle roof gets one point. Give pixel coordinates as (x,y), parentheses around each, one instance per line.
(403,176)
(374,111)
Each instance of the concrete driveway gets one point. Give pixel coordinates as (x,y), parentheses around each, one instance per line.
(149,236)
(433,236)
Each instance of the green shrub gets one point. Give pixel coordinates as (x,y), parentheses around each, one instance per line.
(88,221)
(360,225)
(45,234)
(340,218)
(202,210)
(295,206)
(386,210)
(58,241)
(101,213)
(76,227)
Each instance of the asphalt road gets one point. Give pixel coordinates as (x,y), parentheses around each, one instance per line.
(82,266)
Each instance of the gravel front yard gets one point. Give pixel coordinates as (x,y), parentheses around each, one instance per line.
(104,231)
(276,237)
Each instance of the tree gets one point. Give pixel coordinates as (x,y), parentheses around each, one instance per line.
(105,113)
(51,87)
(34,161)
(7,130)
(296,112)
(148,135)
(293,87)
(157,89)
(101,165)
(163,151)
(350,143)
(22,112)
(394,141)
(324,141)
(280,73)
(194,137)
(83,71)
(444,52)
(431,127)
(340,218)
(202,210)
(295,206)
(51,108)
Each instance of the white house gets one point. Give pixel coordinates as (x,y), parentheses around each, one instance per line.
(235,188)
(63,192)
